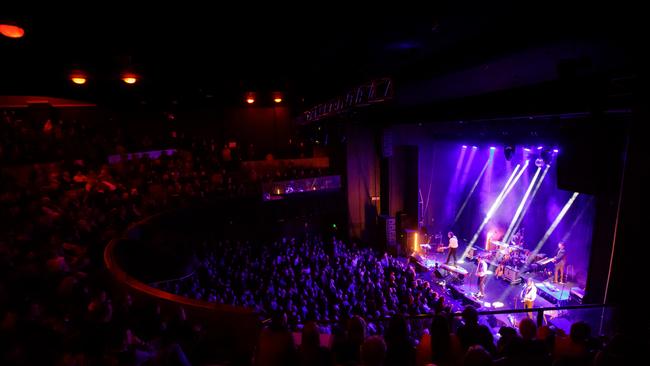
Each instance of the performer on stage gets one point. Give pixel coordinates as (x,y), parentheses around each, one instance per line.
(453,246)
(481,275)
(560,262)
(528,296)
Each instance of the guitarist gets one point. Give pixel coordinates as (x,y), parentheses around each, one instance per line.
(453,246)
(528,295)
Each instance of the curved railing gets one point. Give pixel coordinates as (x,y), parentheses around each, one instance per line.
(232,329)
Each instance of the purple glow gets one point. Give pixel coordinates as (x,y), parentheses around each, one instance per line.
(474,147)
(458,203)
(556,151)
(540,147)
(464,146)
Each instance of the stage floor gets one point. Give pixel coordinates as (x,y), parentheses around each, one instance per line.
(499,293)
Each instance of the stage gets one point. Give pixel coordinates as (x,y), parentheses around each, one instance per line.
(459,285)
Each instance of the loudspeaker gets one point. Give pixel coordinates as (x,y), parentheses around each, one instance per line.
(388,235)
(576,169)
(511,275)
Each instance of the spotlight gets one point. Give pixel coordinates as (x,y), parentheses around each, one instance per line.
(508,150)
(250,97)
(539,162)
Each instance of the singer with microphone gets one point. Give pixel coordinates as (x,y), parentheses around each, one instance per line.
(528,296)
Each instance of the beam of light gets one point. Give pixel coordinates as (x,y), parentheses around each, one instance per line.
(489,214)
(498,202)
(532,197)
(459,166)
(503,198)
(566,236)
(551,228)
(462,207)
(520,208)
(463,180)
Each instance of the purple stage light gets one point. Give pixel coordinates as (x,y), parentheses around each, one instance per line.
(464,146)
(556,151)
(527,150)
(540,147)
(492,148)
(474,147)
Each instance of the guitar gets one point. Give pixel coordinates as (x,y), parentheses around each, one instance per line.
(498,272)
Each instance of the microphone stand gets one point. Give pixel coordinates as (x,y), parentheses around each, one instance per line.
(563,289)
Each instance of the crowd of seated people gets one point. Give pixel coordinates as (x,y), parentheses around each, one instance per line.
(308,280)
(23,140)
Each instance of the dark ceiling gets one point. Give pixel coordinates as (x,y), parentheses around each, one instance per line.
(216,52)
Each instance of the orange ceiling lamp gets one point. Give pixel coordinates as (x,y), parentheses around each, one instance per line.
(78,77)
(129,78)
(250,97)
(79,80)
(277,97)
(11,31)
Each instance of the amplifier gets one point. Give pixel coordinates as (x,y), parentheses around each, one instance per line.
(577,294)
(471,253)
(511,275)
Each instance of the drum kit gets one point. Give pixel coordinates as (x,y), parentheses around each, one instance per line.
(510,255)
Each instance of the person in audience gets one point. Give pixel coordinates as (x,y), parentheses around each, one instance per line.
(400,349)
(477,356)
(373,351)
(310,351)
(472,333)
(439,346)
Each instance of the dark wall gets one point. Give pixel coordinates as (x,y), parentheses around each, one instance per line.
(363,182)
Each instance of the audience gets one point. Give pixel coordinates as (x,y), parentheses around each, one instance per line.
(58,305)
